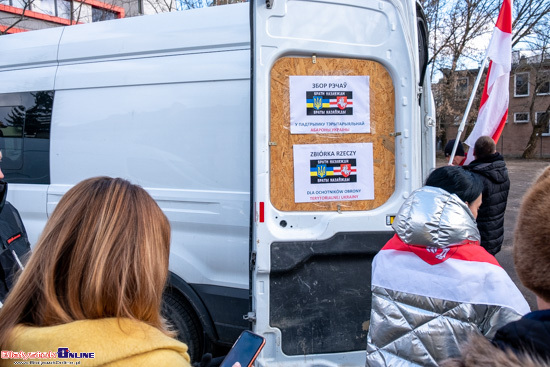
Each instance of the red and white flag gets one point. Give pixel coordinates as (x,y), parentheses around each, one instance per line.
(493,109)
(464,273)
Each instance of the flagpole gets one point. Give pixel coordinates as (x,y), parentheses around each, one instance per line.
(472,96)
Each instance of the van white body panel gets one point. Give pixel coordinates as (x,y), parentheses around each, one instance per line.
(195,31)
(132,96)
(21,51)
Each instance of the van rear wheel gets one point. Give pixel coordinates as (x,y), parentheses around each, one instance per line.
(181,316)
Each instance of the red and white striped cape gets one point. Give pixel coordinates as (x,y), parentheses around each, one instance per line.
(464,273)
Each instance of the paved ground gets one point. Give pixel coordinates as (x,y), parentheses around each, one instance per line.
(522,173)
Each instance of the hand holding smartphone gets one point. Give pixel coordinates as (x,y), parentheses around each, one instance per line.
(245,350)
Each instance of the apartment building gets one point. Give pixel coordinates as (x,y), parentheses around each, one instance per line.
(25,15)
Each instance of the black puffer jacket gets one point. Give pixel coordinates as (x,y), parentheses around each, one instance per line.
(529,334)
(14,245)
(496,184)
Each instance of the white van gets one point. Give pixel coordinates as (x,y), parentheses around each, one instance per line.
(279,137)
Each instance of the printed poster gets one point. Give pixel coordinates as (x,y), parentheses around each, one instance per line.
(333,172)
(329,104)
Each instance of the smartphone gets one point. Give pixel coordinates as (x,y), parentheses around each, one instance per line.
(245,350)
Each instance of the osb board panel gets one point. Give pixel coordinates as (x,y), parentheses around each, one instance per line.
(382,109)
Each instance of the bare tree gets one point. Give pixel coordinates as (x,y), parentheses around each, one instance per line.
(455,29)
(76,11)
(454,26)
(162,6)
(73,12)
(528,14)
(17,18)
(537,67)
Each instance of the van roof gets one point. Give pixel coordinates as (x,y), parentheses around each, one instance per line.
(197,30)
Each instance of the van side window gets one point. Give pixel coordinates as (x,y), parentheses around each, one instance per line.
(25,120)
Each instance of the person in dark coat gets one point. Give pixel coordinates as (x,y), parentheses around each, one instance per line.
(460,156)
(531,333)
(14,244)
(490,166)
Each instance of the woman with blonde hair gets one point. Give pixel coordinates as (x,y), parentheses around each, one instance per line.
(92,289)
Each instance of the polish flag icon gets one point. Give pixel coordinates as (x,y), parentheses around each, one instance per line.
(493,109)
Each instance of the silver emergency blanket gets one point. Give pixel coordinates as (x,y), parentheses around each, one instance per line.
(414,330)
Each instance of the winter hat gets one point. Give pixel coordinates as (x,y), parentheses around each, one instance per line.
(449,148)
(532,238)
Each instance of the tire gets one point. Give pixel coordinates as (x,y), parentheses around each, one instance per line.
(180,315)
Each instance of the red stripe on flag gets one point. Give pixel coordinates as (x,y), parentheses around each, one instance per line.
(338,170)
(470,251)
(500,127)
(484,98)
(504,21)
(485,94)
(348,103)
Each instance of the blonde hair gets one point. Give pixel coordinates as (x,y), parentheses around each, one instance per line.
(103,253)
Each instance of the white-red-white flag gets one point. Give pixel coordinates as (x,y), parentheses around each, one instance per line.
(493,109)
(464,273)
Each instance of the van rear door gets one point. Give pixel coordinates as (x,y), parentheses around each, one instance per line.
(336,149)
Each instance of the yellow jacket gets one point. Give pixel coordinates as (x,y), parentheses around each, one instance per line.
(111,342)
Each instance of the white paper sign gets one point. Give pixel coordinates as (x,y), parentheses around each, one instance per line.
(333,172)
(329,104)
